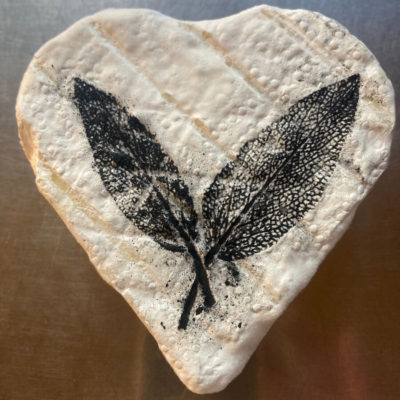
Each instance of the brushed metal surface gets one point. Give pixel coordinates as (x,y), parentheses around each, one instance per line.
(65,334)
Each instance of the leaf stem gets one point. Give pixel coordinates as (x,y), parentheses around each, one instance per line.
(198,263)
(187,307)
(201,275)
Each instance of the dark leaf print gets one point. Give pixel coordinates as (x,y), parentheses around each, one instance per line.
(280,175)
(252,202)
(142,179)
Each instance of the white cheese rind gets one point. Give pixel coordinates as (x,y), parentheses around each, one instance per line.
(203,88)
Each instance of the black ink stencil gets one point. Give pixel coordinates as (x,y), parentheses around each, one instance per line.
(275,179)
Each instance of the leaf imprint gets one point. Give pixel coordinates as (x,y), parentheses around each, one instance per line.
(255,199)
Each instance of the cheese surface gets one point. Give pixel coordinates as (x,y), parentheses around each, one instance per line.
(203,93)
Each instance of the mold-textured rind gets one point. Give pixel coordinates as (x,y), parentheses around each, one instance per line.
(204,88)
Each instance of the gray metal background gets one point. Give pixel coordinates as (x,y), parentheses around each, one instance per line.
(64,334)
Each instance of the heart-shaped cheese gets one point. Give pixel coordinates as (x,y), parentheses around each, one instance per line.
(206,167)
